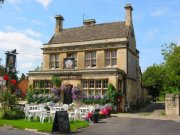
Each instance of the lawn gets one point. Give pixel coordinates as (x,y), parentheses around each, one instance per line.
(45,127)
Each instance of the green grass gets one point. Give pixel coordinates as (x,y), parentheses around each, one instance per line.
(45,127)
(163,113)
(146,114)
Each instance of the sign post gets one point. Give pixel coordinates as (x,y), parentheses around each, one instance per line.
(10,66)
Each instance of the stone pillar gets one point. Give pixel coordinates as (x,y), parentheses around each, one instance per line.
(172,105)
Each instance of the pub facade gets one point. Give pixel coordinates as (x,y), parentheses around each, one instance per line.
(91,56)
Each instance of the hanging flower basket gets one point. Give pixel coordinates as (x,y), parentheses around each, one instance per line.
(6,77)
(13,81)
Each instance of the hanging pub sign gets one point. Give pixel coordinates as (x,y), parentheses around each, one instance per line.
(11,61)
(69,63)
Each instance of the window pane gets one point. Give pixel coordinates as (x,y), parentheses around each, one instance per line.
(87,63)
(93,63)
(107,54)
(52,57)
(107,62)
(114,62)
(84,83)
(103,92)
(98,83)
(98,92)
(57,57)
(54,61)
(88,56)
(114,53)
(91,92)
(91,84)
(84,92)
(93,55)
(105,83)
(57,64)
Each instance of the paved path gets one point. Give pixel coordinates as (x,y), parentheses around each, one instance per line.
(152,111)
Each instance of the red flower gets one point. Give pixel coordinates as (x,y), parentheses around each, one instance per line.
(6,77)
(89,114)
(13,81)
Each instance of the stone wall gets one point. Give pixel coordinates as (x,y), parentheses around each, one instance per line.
(172,105)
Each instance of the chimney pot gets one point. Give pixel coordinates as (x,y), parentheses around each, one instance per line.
(89,22)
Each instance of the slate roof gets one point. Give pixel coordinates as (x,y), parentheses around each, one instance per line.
(89,33)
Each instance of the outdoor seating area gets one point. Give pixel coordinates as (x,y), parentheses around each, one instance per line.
(75,112)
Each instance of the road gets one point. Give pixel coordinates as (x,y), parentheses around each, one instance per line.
(132,126)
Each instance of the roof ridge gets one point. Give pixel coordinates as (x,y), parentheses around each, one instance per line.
(99,24)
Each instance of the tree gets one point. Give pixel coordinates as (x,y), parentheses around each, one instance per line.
(171,55)
(56,81)
(111,95)
(153,79)
(164,78)
(39,68)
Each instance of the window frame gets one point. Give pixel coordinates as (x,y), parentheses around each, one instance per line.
(110,56)
(54,61)
(91,59)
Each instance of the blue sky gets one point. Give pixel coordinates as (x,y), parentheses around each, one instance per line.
(26,25)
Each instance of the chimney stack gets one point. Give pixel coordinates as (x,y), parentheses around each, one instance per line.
(128,19)
(59,23)
(89,22)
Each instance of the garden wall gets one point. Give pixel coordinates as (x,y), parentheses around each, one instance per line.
(172,104)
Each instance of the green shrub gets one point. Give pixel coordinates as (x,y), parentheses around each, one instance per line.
(8,102)
(13,114)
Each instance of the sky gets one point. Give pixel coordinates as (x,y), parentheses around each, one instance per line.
(25,25)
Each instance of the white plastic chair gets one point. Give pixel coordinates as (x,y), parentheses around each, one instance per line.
(65,107)
(43,115)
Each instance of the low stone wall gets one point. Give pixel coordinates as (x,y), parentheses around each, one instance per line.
(172,104)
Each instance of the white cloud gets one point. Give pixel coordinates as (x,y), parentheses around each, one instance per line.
(26,65)
(44,3)
(32,33)
(27,32)
(28,49)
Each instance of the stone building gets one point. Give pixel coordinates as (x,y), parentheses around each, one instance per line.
(92,56)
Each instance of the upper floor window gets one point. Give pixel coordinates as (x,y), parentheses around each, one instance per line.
(111,58)
(73,55)
(90,59)
(54,61)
